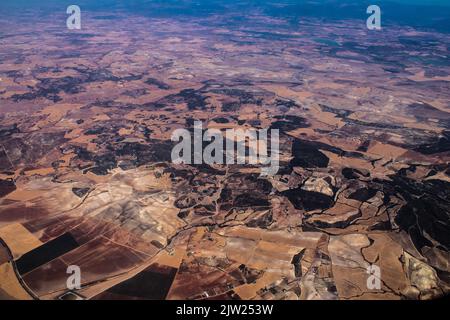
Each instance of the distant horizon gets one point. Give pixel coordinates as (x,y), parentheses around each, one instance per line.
(419,14)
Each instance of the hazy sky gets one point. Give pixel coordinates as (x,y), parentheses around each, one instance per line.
(433,14)
(425,2)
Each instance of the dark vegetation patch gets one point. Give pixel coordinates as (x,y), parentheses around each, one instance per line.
(244,191)
(6,187)
(103,163)
(287,123)
(184,202)
(296,262)
(340,113)
(245,274)
(262,222)
(245,97)
(438,144)
(306,155)
(194,99)
(151,284)
(49,88)
(155,151)
(254,123)
(425,111)
(308,200)
(372,124)
(28,149)
(8,130)
(159,84)
(231,106)
(221,120)
(363,194)
(364,146)
(205,210)
(135,93)
(381,226)
(136,154)
(286,104)
(351,173)
(80,192)
(426,215)
(46,253)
